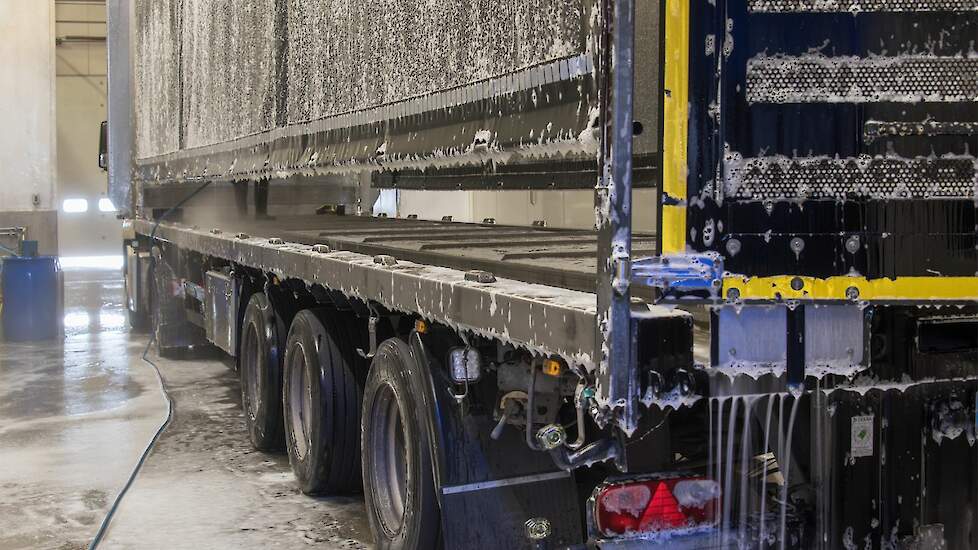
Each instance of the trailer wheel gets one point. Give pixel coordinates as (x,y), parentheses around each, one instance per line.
(397,475)
(155,313)
(139,320)
(322,392)
(261,374)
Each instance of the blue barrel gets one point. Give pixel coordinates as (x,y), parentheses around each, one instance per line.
(32,299)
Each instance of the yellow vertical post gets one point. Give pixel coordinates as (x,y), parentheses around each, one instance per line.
(676,129)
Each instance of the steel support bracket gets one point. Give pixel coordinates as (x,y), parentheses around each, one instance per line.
(372,330)
(681,277)
(616,386)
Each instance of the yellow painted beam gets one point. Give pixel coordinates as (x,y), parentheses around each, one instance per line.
(840,288)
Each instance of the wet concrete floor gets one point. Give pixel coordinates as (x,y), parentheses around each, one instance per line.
(75,416)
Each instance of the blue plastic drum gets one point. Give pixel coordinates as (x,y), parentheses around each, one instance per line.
(32,299)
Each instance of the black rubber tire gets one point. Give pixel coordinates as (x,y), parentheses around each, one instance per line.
(157,301)
(138,321)
(261,374)
(321,397)
(406,518)
(154,312)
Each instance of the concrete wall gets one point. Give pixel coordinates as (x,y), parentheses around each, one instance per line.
(27,119)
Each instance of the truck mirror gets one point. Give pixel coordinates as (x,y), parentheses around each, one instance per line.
(103,146)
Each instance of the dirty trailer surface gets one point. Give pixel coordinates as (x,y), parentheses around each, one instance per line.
(563,258)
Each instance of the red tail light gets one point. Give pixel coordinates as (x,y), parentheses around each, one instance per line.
(656,505)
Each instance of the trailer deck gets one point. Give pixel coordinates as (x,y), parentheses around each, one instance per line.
(565,258)
(535,301)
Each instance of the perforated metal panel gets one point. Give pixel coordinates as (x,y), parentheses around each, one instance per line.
(881,177)
(829,119)
(905,79)
(857,6)
(876,129)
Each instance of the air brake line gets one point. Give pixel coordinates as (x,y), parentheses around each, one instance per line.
(104,526)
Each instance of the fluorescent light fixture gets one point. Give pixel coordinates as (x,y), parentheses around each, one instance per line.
(74,206)
(105,205)
(106,263)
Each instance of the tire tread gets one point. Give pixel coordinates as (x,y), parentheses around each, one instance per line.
(341,390)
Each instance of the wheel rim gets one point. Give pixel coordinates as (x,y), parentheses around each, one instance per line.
(390,455)
(250,366)
(300,401)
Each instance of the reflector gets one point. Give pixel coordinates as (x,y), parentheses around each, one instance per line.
(652,506)
(663,512)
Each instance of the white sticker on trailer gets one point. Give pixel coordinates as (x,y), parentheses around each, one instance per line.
(861,439)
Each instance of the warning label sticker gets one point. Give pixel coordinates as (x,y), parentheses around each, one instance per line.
(862,436)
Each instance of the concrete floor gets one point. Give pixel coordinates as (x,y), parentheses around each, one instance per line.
(74,417)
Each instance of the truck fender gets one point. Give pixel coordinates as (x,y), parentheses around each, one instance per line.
(488,489)
(438,405)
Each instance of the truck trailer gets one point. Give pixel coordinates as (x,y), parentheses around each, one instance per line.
(568,274)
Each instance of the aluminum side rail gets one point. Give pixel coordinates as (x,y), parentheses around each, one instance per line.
(542,319)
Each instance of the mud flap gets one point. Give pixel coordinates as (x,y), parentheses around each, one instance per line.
(905,468)
(488,489)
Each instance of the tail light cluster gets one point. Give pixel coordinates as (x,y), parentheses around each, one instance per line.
(652,506)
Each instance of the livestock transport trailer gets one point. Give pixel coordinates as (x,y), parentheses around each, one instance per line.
(706,276)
